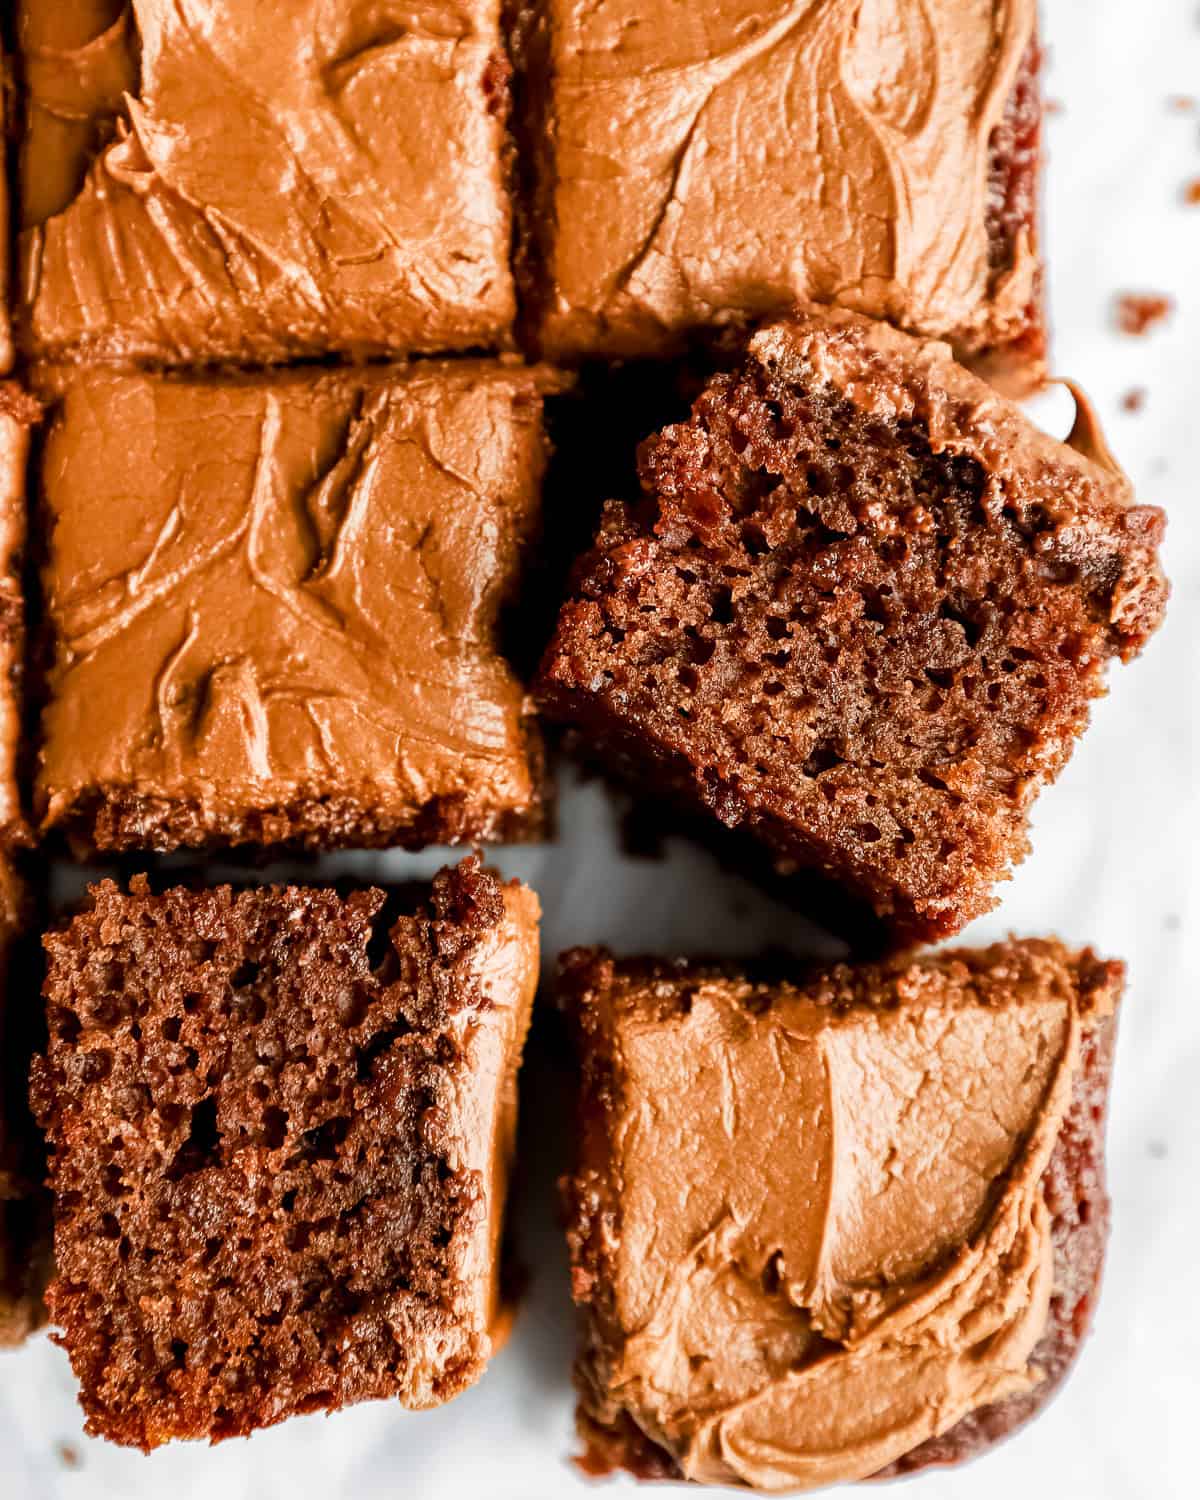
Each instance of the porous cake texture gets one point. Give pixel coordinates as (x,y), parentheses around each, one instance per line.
(859,611)
(281,1122)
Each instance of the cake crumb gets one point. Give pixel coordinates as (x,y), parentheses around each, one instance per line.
(1053,107)
(1181,104)
(1191,191)
(1133,400)
(69,1457)
(1138,312)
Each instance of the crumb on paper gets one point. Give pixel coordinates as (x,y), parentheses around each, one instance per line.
(1182,104)
(69,1456)
(1133,400)
(1156,1149)
(1053,107)
(1139,312)
(1191,191)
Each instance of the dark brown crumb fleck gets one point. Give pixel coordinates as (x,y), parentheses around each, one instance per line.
(1191,191)
(69,1457)
(497,79)
(1133,400)
(1138,312)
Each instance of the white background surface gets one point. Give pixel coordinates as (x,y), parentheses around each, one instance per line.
(1115,863)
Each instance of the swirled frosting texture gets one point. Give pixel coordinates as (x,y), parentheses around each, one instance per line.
(810,1225)
(236,179)
(720,161)
(275,602)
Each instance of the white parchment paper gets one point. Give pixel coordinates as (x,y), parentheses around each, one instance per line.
(1115,863)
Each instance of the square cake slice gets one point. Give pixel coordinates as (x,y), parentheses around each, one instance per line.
(860,612)
(253,182)
(275,602)
(281,1122)
(699,166)
(834,1227)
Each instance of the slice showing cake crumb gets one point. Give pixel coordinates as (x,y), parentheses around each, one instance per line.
(860,611)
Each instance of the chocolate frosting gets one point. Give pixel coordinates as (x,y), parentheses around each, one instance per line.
(16,414)
(234,180)
(831,1242)
(273,589)
(491,1041)
(724,160)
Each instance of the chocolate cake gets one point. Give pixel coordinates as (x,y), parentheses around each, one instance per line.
(280,1123)
(276,605)
(22,1266)
(859,611)
(838,1227)
(248,182)
(700,166)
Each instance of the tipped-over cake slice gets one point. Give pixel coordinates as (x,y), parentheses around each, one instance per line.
(839,1227)
(860,611)
(281,1123)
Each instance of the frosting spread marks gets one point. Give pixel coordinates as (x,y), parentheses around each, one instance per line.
(717,161)
(224,179)
(266,589)
(810,1225)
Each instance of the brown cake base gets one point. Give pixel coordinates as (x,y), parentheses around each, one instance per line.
(1075,1192)
(118,820)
